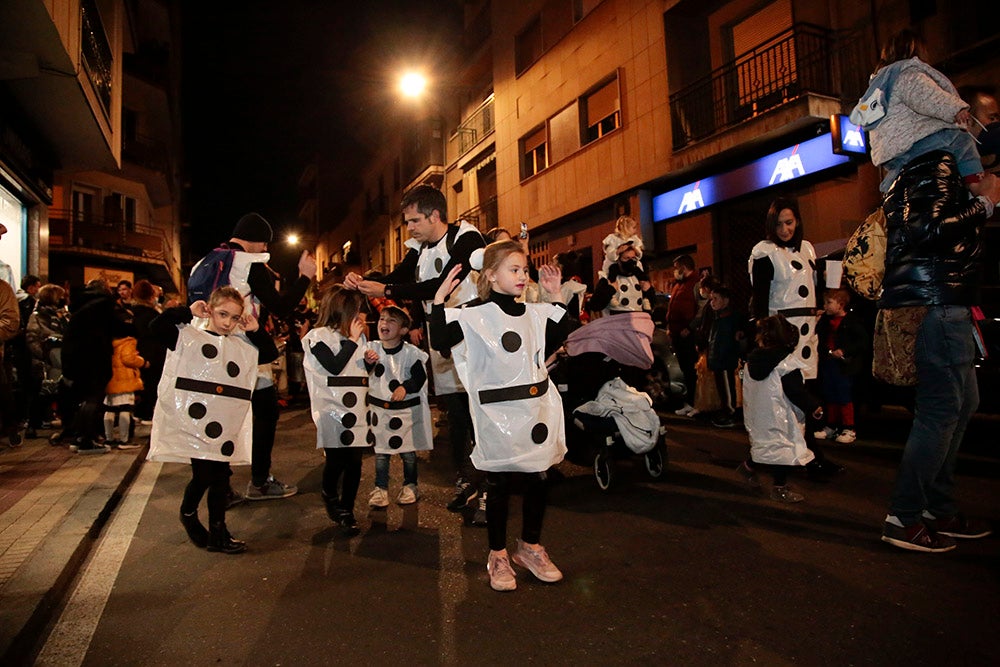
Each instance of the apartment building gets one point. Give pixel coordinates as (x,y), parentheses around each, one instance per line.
(90,140)
(691,116)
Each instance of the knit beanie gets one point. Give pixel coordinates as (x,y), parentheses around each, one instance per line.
(252,227)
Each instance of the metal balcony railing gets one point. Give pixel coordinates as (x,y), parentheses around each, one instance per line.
(146,152)
(483,217)
(473,129)
(804,59)
(96,51)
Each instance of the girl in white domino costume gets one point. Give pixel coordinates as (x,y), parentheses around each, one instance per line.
(398,411)
(202,410)
(499,346)
(334,363)
(783,276)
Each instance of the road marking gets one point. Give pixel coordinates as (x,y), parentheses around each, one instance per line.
(73,632)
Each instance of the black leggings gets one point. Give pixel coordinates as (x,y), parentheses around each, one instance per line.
(211,476)
(264,405)
(342,468)
(533,507)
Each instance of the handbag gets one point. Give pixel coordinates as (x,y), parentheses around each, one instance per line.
(706,394)
(864,256)
(894,346)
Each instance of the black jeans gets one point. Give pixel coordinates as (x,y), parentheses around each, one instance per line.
(264,406)
(536,490)
(342,469)
(211,476)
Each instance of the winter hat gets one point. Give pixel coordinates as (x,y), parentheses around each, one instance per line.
(252,227)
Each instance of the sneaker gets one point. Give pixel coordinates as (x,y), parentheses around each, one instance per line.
(724,421)
(465,493)
(785,495)
(846,437)
(88,449)
(917,537)
(408,495)
(827,433)
(958,526)
(536,560)
(502,577)
(685,411)
(348,524)
(270,490)
(127,445)
(234,498)
(379,498)
(479,516)
(748,475)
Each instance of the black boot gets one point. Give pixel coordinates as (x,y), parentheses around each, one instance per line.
(332,506)
(219,539)
(195,530)
(348,524)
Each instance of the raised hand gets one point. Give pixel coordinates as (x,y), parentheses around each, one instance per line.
(550,279)
(249,322)
(449,283)
(307,265)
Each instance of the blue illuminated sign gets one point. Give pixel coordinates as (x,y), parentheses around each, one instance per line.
(809,157)
(848,138)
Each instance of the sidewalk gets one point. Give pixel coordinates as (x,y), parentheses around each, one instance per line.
(53,504)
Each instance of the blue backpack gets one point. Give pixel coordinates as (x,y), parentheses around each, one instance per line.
(210,273)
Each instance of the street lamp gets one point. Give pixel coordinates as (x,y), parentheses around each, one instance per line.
(413,84)
(292,239)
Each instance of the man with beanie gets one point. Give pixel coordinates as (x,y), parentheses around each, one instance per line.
(251,275)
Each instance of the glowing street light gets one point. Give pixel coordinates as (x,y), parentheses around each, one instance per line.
(413,84)
(293,239)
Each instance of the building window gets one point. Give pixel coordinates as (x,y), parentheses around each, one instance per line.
(765,58)
(534,154)
(528,45)
(83,205)
(601,111)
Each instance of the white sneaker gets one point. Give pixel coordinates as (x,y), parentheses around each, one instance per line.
(847,436)
(502,576)
(408,495)
(537,561)
(379,498)
(826,434)
(685,411)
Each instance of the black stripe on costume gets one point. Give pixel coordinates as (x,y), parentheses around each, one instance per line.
(346,381)
(797,312)
(213,388)
(520,393)
(392,405)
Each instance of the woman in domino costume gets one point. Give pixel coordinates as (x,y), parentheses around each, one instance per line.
(499,346)
(783,277)
(335,372)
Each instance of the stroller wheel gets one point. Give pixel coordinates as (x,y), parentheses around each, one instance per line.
(602,470)
(654,461)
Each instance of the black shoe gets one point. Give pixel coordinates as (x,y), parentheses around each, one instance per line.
(479,516)
(58,437)
(221,541)
(332,506)
(197,533)
(465,493)
(15,438)
(234,498)
(822,471)
(348,524)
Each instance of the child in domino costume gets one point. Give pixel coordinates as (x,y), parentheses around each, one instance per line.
(400,426)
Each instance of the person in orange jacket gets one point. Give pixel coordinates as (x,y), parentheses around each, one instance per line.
(119,401)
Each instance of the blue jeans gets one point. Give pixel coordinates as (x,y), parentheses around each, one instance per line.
(946,396)
(382,469)
(956,141)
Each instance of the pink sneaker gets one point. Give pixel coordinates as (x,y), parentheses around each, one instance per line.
(537,562)
(501,573)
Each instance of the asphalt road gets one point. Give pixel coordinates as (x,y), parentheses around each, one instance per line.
(693,569)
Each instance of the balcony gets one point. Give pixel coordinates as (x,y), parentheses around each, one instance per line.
(483,217)
(804,60)
(96,52)
(473,130)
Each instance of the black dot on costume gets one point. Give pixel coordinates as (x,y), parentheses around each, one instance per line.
(803,291)
(804,329)
(395,442)
(232,369)
(438,264)
(624,287)
(228,448)
(395,424)
(209,351)
(347,437)
(539,433)
(806,352)
(350,399)
(349,420)
(374,419)
(197,411)
(394,384)
(379,370)
(370,438)
(213,429)
(624,302)
(511,341)
(797,265)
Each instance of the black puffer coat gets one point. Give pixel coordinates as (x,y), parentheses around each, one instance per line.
(933,255)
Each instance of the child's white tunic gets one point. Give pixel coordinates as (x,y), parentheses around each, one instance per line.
(338,402)
(516,410)
(203,402)
(401,426)
(776,426)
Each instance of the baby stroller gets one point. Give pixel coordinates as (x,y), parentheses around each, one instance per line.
(599,373)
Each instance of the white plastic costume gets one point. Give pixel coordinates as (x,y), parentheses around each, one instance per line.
(516,410)
(403,426)
(338,402)
(612,242)
(793,294)
(627,297)
(430,263)
(203,404)
(775,424)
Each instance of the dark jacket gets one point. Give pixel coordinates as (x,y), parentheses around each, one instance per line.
(933,255)
(851,336)
(87,348)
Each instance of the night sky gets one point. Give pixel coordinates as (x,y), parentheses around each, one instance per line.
(267,85)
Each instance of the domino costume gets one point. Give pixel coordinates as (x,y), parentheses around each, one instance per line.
(203,405)
(516,410)
(792,293)
(401,426)
(337,400)
(775,424)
